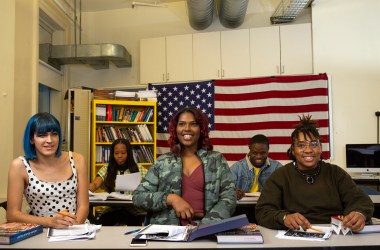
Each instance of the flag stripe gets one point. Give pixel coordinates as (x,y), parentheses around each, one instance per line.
(245,107)
(270,94)
(260,125)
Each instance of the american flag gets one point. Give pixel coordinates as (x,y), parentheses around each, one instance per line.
(239,109)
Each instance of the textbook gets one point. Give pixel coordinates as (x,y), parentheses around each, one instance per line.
(108,196)
(248,234)
(11,233)
(190,232)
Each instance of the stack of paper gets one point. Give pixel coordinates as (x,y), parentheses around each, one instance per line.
(75,232)
(147,95)
(102,196)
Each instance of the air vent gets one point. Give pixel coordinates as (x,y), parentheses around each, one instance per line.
(97,56)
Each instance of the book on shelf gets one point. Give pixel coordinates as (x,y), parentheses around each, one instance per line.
(103,196)
(11,233)
(248,234)
(108,112)
(190,232)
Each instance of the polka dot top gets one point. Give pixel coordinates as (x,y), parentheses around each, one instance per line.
(47,198)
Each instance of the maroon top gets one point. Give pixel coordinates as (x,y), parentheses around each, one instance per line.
(193,191)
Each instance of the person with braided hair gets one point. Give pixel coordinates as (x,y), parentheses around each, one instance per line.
(121,161)
(309,190)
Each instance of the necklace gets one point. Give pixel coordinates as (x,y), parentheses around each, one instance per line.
(309,178)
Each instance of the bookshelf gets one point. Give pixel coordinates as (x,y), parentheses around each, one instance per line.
(132,120)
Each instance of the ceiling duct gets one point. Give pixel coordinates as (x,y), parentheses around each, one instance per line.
(288,10)
(232,12)
(97,56)
(200,13)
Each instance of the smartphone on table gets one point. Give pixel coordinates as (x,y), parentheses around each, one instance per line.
(138,242)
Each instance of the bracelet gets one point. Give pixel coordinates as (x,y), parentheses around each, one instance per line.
(361,215)
(283,218)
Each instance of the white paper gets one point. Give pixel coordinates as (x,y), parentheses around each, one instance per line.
(370,229)
(75,232)
(127,182)
(326,235)
(336,226)
(170,232)
(253,194)
(102,196)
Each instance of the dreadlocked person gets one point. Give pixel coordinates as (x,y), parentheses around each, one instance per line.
(309,190)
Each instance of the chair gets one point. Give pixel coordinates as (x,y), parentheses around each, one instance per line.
(369,191)
(4,205)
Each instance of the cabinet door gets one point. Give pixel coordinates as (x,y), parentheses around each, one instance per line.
(152,60)
(206,55)
(235,53)
(179,58)
(296,49)
(265,51)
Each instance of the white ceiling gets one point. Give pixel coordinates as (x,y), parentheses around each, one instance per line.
(101,5)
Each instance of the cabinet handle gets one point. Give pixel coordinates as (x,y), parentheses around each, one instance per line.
(282,69)
(167,76)
(222,73)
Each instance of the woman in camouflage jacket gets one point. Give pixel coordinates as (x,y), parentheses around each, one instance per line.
(161,193)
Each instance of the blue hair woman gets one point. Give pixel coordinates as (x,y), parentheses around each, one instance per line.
(53,182)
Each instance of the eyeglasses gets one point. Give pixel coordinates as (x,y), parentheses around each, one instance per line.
(311,144)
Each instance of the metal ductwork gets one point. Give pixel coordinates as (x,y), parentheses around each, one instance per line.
(288,10)
(231,13)
(97,56)
(200,13)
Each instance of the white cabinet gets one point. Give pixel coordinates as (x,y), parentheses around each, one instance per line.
(153,60)
(179,58)
(281,50)
(235,53)
(166,59)
(223,54)
(296,49)
(206,55)
(265,51)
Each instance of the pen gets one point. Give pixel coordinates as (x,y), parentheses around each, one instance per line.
(132,231)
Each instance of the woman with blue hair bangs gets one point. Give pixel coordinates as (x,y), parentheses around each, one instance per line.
(53,182)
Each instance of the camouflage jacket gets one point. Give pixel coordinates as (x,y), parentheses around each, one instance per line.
(165,177)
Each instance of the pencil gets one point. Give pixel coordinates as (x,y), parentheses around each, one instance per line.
(312,228)
(61,212)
